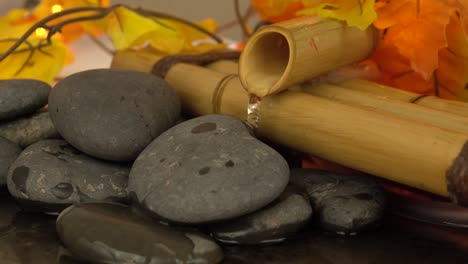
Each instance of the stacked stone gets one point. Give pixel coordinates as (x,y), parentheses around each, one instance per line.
(135,184)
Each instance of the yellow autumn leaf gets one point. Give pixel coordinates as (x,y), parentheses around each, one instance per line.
(359,13)
(194,40)
(42,65)
(128,29)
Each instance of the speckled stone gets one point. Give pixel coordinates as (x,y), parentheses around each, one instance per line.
(113,114)
(50,175)
(22,96)
(272,224)
(110,233)
(343,204)
(29,129)
(9,151)
(207,169)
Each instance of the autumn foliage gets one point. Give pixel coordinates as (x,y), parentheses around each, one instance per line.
(126,28)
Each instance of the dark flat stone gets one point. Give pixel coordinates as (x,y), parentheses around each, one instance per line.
(110,233)
(22,96)
(50,175)
(29,129)
(344,204)
(9,151)
(272,224)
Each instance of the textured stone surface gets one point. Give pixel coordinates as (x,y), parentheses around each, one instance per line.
(274,223)
(343,204)
(110,233)
(30,129)
(112,114)
(22,96)
(9,151)
(51,175)
(207,169)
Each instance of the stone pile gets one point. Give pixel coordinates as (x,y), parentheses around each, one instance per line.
(134,184)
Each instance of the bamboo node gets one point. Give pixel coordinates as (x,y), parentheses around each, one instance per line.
(219,90)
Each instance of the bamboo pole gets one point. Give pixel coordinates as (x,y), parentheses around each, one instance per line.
(293,51)
(384,105)
(408,152)
(450,106)
(145,60)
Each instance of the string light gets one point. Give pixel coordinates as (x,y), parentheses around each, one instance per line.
(56,9)
(41,32)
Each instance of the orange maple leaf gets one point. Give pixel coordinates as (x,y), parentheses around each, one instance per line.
(417,28)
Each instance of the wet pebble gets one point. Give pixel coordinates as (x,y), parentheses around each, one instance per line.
(111,233)
(207,169)
(22,96)
(29,129)
(343,204)
(9,151)
(272,224)
(50,175)
(113,114)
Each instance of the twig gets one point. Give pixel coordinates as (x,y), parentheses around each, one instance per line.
(245,30)
(101,45)
(246,17)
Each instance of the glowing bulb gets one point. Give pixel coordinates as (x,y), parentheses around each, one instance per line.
(56,8)
(41,32)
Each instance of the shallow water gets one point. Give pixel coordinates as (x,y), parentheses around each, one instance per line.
(31,239)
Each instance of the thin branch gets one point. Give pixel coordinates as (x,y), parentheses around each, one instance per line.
(245,30)
(102,45)
(246,17)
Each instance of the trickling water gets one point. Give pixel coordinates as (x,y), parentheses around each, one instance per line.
(253,110)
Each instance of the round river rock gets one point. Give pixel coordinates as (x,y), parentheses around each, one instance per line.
(112,233)
(50,175)
(9,151)
(22,96)
(344,204)
(113,114)
(207,169)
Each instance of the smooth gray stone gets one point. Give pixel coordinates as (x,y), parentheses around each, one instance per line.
(22,96)
(50,175)
(9,151)
(207,169)
(272,224)
(113,114)
(30,129)
(344,204)
(110,233)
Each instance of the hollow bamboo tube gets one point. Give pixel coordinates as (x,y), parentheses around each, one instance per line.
(401,150)
(454,107)
(384,105)
(145,60)
(291,52)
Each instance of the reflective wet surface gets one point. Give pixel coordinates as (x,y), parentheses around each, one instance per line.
(31,238)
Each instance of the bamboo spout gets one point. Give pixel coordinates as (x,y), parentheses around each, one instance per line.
(291,52)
